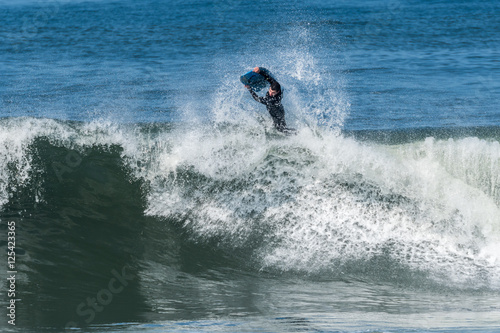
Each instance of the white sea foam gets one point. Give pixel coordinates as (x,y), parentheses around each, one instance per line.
(317,201)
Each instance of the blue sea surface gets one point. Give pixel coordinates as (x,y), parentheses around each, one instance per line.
(150,192)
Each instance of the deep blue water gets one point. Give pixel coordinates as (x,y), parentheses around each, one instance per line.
(128,144)
(392,64)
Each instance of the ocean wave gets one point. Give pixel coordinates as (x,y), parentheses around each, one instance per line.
(319,202)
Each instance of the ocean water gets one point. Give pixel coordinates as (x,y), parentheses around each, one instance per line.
(149,192)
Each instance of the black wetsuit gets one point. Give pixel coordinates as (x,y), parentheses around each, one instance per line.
(272,103)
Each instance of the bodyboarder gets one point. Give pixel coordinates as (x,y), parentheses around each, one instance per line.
(272,101)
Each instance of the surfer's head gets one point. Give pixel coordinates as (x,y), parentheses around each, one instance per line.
(274,89)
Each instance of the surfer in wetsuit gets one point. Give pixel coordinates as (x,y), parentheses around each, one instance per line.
(272,100)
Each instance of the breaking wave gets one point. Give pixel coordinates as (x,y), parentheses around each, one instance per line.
(317,203)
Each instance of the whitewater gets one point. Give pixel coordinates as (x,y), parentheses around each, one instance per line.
(319,202)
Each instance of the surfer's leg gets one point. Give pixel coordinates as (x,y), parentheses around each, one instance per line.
(279,123)
(278,115)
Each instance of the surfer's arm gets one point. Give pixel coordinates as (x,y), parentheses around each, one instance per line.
(255,96)
(266,76)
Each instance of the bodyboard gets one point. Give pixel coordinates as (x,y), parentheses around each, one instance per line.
(255,80)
